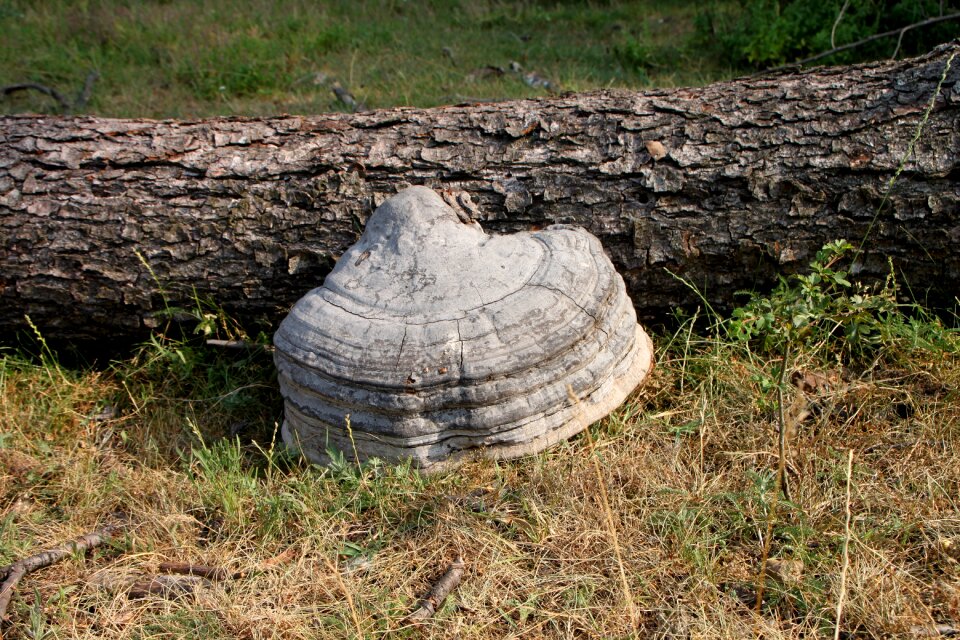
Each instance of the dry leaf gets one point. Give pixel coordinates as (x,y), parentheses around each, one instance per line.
(656,149)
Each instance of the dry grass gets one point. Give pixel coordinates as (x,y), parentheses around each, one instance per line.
(689,466)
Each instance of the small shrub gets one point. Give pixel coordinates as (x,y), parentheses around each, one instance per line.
(821,309)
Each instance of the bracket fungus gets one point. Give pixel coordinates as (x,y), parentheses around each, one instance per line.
(435,341)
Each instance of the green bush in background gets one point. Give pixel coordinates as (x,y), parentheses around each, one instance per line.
(762,33)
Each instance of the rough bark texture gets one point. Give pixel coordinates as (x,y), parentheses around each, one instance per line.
(724,185)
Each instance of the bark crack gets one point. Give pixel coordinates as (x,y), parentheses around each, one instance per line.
(567,296)
(403,341)
(460,338)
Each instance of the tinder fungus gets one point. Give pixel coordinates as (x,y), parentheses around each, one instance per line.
(435,341)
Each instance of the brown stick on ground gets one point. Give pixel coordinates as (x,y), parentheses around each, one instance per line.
(439,591)
(201,570)
(245,345)
(15,572)
(168,586)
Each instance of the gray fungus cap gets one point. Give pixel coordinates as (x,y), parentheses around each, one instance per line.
(441,342)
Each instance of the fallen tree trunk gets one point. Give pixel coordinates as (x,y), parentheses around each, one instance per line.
(724,185)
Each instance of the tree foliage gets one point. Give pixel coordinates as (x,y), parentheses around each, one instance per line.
(763,33)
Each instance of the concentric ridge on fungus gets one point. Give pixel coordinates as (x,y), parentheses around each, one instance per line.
(441,342)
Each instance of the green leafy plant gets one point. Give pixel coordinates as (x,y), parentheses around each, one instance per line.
(821,309)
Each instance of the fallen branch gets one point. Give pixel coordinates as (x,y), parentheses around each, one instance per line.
(67,105)
(16,571)
(167,586)
(42,88)
(439,591)
(244,345)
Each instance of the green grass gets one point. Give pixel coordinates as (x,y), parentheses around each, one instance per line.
(182,59)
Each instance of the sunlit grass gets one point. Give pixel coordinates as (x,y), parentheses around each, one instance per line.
(185,59)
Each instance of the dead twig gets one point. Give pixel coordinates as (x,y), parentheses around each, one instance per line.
(167,586)
(201,570)
(242,345)
(833,31)
(66,104)
(178,579)
(439,591)
(42,88)
(15,572)
(935,631)
(782,435)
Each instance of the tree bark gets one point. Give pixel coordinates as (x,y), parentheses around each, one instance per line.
(724,186)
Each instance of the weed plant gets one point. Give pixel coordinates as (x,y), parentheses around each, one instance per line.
(822,311)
